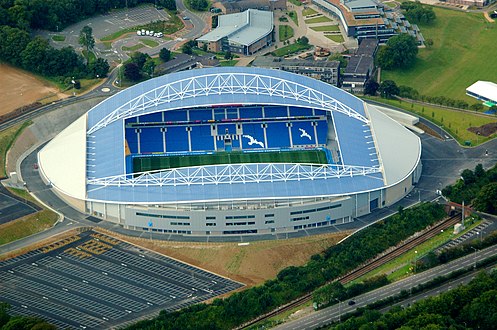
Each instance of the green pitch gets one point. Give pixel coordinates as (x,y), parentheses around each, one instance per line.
(142,164)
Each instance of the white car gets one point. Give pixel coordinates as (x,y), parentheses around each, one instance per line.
(139,32)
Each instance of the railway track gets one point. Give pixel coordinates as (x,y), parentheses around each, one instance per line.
(399,250)
(363,269)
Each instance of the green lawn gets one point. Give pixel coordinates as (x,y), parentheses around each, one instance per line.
(91,56)
(149,42)
(308,11)
(320,19)
(456,122)
(464,51)
(58,38)
(335,37)
(118,34)
(293,15)
(25,226)
(290,49)
(285,32)
(295,2)
(228,63)
(7,138)
(325,28)
(163,162)
(390,4)
(133,48)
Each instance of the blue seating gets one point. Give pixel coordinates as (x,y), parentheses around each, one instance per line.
(251,112)
(318,112)
(175,115)
(297,111)
(254,130)
(275,111)
(132,139)
(151,118)
(232,113)
(176,139)
(219,114)
(202,139)
(151,140)
(277,135)
(304,138)
(322,130)
(203,114)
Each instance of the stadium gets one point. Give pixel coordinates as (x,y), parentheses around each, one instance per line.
(231,151)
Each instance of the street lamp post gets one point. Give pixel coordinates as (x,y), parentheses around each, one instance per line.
(415,260)
(474,259)
(73,86)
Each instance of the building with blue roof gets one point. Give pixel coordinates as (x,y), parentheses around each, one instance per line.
(96,163)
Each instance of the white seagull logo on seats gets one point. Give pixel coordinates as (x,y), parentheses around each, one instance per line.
(304,134)
(253,141)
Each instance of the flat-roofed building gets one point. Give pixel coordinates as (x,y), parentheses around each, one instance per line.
(327,71)
(242,33)
(360,66)
(483,90)
(230,6)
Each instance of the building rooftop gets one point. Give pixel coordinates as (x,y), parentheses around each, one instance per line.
(486,89)
(242,28)
(277,62)
(359,65)
(367,47)
(349,15)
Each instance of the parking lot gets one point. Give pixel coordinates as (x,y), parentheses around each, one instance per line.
(94,281)
(12,208)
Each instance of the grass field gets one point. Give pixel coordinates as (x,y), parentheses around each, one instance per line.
(308,11)
(293,15)
(463,52)
(335,37)
(285,32)
(228,63)
(453,121)
(7,137)
(295,2)
(141,164)
(58,38)
(320,19)
(133,48)
(149,42)
(290,49)
(26,226)
(326,28)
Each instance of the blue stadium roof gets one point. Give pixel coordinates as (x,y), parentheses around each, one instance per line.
(224,86)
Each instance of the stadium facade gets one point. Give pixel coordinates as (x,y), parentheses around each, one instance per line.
(231,151)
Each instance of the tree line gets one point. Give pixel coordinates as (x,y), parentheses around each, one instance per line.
(9,322)
(478,187)
(55,15)
(471,306)
(293,282)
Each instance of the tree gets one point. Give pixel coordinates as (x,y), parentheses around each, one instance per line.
(388,88)
(99,68)
(429,42)
(486,200)
(303,40)
(200,5)
(149,67)
(132,71)
(169,4)
(165,54)
(399,52)
(417,13)
(187,49)
(370,87)
(139,59)
(228,55)
(86,40)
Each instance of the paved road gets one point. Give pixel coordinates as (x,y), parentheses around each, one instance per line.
(198,22)
(333,313)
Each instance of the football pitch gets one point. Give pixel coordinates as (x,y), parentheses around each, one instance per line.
(153,163)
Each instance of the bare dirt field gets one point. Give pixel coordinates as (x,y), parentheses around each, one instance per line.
(20,88)
(251,264)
